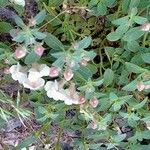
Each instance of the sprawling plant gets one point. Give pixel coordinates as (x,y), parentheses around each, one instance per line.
(89,57)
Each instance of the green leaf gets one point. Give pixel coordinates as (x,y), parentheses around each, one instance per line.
(134,3)
(133,34)
(133,46)
(121,21)
(134,68)
(19,21)
(109,3)
(20,37)
(92,3)
(140,20)
(39,35)
(31,58)
(122,29)
(55,3)
(59,62)
(84,43)
(146,57)
(39,18)
(125,5)
(119,137)
(113,36)
(4,3)
(113,96)
(140,105)
(19,9)
(101,8)
(53,42)
(98,82)
(5,27)
(144,4)
(83,73)
(108,77)
(131,86)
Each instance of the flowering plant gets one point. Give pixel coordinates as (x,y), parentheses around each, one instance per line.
(86,66)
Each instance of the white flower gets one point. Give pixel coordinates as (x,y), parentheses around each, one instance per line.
(34,80)
(54,91)
(40,70)
(18,73)
(71,99)
(19,2)
(35,84)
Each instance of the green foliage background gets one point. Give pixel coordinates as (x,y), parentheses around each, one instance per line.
(110,32)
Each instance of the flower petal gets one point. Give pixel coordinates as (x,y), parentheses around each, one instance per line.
(36,85)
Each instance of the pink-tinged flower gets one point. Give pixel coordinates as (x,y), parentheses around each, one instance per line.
(68,74)
(6,71)
(140,86)
(94,102)
(20,52)
(82,100)
(145,27)
(39,50)
(54,72)
(56,91)
(34,85)
(34,81)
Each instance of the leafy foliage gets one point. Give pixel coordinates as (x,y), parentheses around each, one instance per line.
(98,51)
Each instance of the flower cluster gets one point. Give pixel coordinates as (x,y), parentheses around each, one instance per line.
(30,78)
(33,79)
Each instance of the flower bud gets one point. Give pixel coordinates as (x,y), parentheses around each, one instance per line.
(68,74)
(94,102)
(20,53)
(145,27)
(39,50)
(140,86)
(6,71)
(54,72)
(82,100)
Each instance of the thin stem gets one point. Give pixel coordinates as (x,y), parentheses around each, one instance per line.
(52,19)
(144,39)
